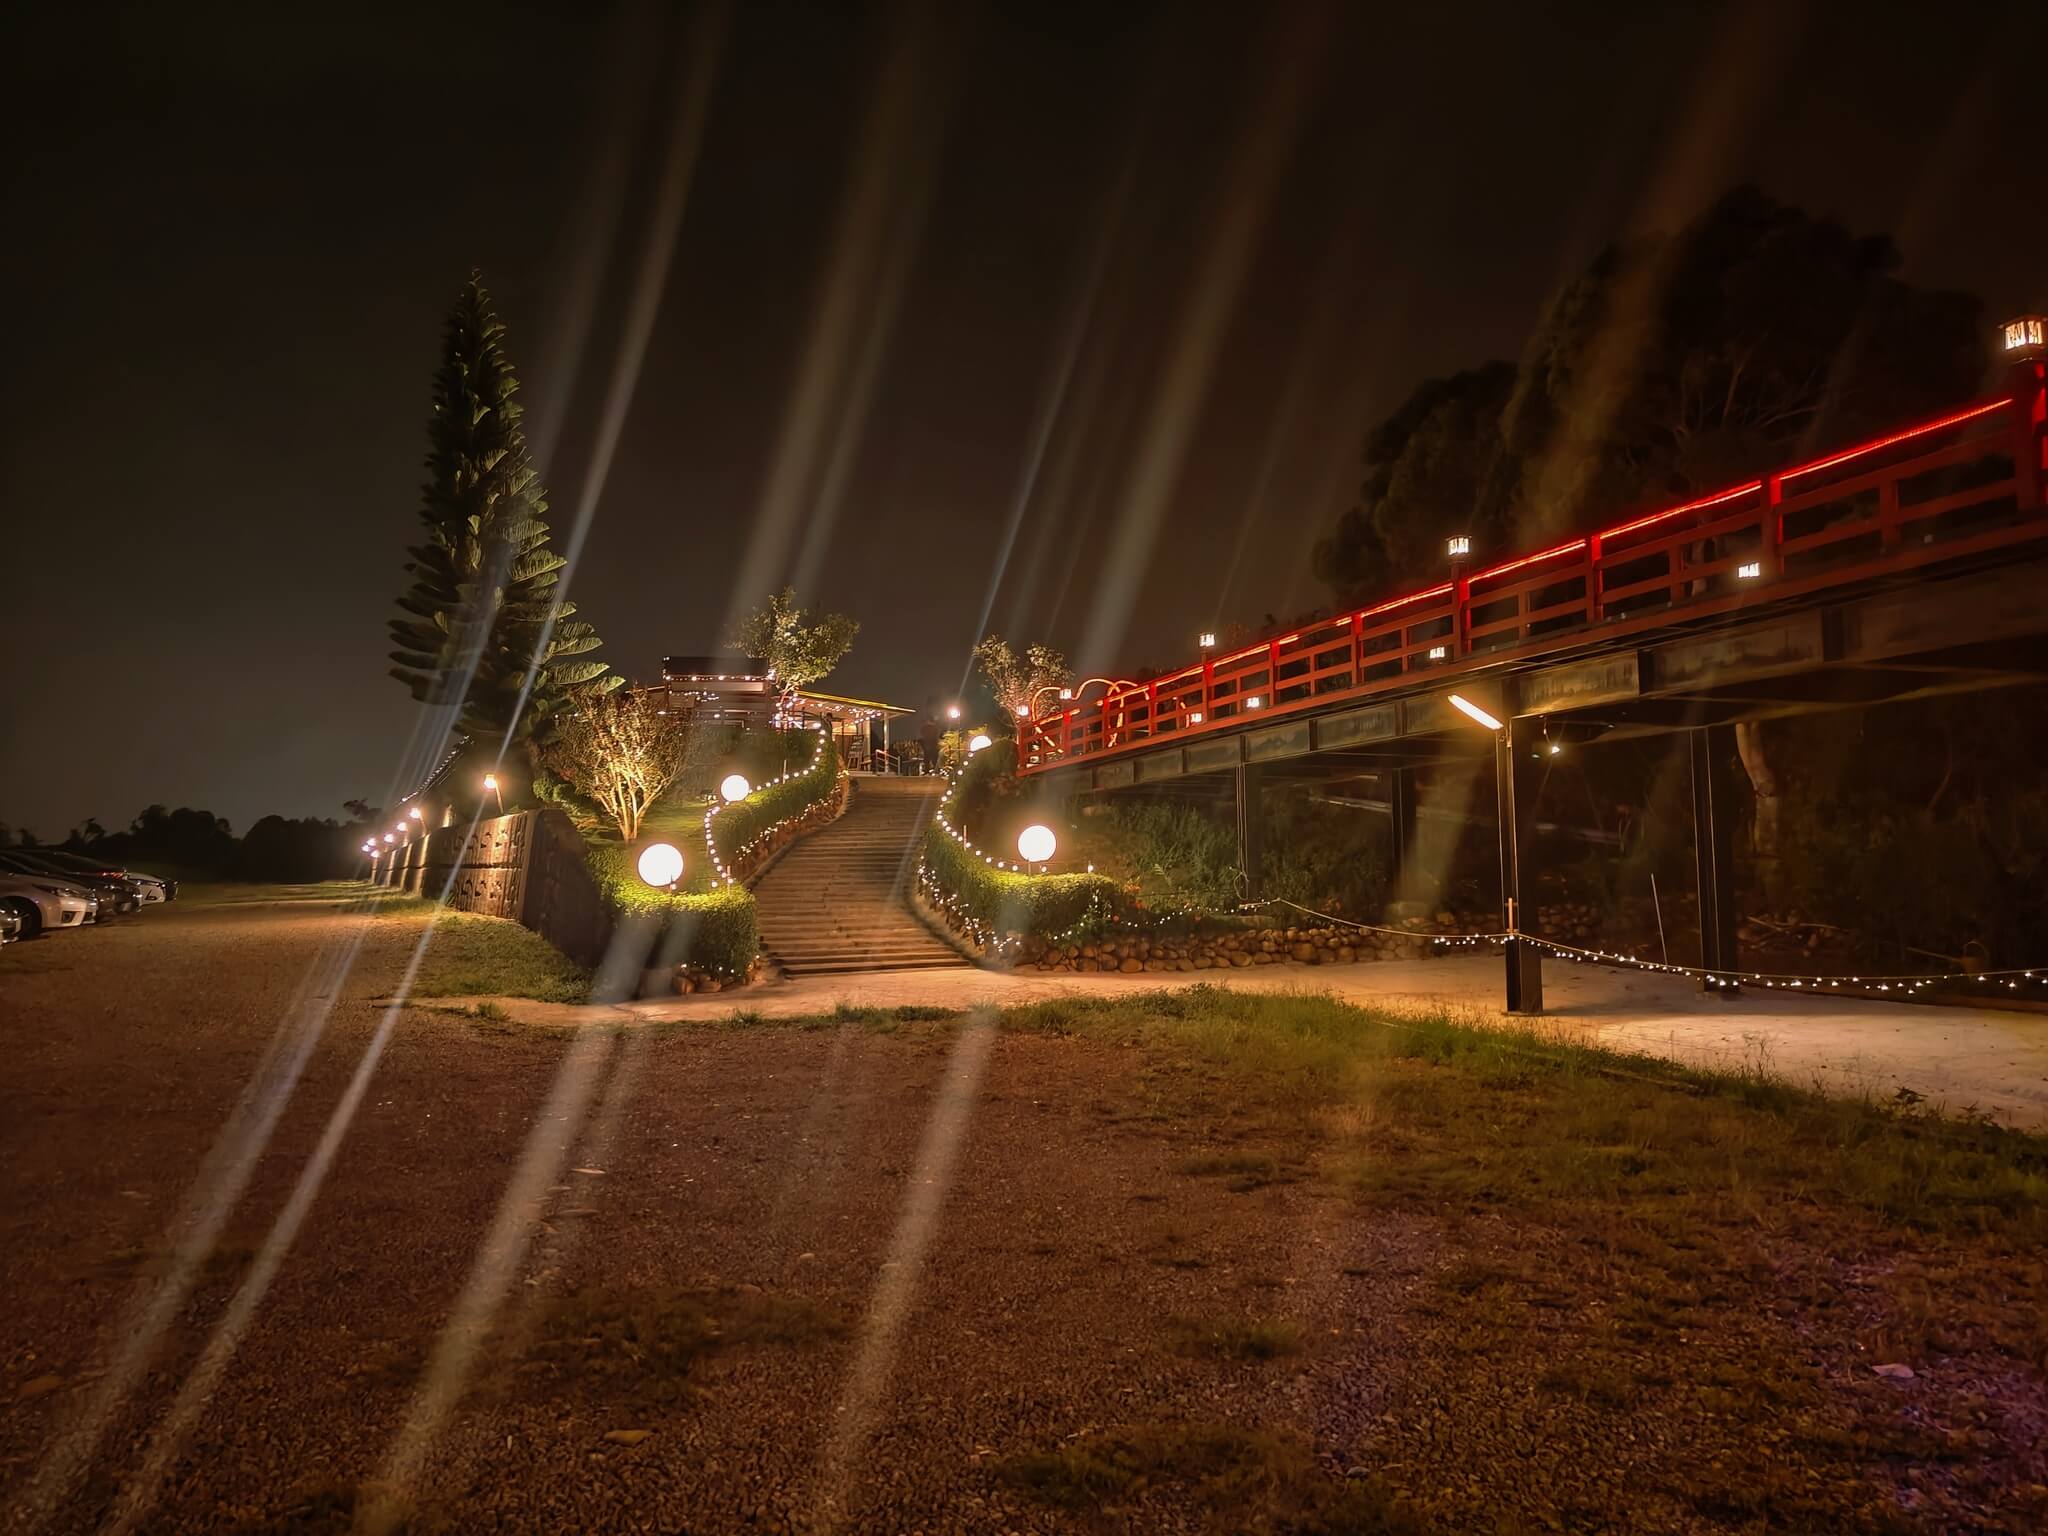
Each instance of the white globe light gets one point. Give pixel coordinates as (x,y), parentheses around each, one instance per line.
(661,864)
(978,741)
(735,787)
(1035,844)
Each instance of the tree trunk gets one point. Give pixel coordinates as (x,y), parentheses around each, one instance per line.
(1766,831)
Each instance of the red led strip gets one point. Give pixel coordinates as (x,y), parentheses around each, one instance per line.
(1545,554)
(1898,437)
(1691,506)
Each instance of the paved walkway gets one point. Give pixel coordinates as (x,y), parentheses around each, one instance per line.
(1958,1058)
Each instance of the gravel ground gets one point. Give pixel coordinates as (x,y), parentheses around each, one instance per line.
(677,1278)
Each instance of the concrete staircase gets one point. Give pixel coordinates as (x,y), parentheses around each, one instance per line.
(838,900)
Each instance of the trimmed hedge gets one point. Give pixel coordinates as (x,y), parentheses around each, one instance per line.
(716,931)
(744,820)
(1036,906)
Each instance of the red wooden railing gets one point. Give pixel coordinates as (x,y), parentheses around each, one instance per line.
(1965,483)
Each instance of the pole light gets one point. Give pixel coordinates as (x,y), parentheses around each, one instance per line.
(952,711)
(734,787)
(417,815)
(1459,547)
(1036,844)
(661,864)
(1471,711)
(1208,640)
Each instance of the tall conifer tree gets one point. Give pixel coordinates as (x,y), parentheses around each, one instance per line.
(476,618)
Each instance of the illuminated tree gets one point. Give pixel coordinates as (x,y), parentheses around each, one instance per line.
(479,627)
(800,648)
(1018,680)
(620,752)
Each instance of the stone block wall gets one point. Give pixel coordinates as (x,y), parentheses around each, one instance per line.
(529,867)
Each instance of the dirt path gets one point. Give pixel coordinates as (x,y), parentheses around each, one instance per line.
(919,1278)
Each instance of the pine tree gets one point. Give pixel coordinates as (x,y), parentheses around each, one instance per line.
(473,621)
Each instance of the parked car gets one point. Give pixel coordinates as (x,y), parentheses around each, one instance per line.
(45,906)
(150,888)
(10,925)
(117,897)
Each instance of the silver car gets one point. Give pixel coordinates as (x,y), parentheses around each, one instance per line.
(45,906)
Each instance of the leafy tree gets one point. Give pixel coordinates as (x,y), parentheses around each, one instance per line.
(1018,680)
(800,648)
(1674,365)
(621,753)
(1425,468)
(480,615)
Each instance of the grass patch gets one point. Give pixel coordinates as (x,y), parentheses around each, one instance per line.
(1257,1481)
(471,956)
(640,1348)
(1431,1111)
(1238,1338)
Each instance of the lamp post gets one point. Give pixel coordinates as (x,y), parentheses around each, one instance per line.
(1517,882)
(491,784)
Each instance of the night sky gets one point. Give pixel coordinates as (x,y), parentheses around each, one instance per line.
(830,294)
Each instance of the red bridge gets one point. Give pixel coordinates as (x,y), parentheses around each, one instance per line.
(1900,566)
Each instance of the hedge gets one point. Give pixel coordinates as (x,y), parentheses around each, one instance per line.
(1005,901)
(744,820)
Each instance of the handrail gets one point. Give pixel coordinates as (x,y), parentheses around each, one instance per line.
(1843,519)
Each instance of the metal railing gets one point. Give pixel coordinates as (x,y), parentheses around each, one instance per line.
(1961,485)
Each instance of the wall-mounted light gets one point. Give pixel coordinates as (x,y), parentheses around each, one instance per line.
(1471,711)
(1253,702)
(1438,652)
(1749,571)
(1194,717)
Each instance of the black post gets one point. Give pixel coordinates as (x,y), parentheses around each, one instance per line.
(1251,831)
(1713,829)
(1517,879)
(1401,812)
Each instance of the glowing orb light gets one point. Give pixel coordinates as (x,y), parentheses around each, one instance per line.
(1035,844)
(978,741)
(735,787)
(661,864)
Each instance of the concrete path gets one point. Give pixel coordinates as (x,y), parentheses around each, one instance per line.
(1961,1059)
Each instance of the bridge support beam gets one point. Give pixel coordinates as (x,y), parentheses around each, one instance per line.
(1713,838)
(1251,830)
(1515,793)
(1401,814)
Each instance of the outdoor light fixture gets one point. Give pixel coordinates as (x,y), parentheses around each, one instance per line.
(977,741)
(1253,702)
(1066,693)
(1208,641)
(1466,707)
(952,711)
(1749,571)
(735,787)
(416,814)
(661,864)
(1437,653)
(1035,844)
(1194,717)
(2026,333)
(389,838)
(1460,547)
(1023,711)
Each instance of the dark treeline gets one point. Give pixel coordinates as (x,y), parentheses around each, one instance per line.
(196,844)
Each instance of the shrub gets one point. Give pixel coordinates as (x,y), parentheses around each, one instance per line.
(714,931)
(1005,901)
(743,821)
